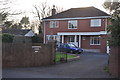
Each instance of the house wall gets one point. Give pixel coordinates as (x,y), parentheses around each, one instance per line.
(85,43)
(102,47)
(83,26)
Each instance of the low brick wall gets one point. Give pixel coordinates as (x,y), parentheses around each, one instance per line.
(114,61)
(23,55)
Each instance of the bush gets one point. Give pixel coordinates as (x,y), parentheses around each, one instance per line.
(7,38)
(37,39)
(114,29)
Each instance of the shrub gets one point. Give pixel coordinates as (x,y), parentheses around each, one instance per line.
(7,38)
(37,39)
(114,29)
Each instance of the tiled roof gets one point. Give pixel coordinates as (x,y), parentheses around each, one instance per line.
(79,12)
(16,31)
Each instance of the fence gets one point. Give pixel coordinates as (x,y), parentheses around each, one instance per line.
(23,55)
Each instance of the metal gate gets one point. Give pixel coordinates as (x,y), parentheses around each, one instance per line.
(60,56)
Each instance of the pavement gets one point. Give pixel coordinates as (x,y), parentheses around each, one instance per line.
(89,65)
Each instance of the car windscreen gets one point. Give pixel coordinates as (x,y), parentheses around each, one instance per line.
(72,45)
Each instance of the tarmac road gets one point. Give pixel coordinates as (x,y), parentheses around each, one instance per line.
(90,65)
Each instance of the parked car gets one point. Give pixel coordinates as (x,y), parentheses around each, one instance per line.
(69,48)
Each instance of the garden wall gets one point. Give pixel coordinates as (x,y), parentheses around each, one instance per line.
(114,61)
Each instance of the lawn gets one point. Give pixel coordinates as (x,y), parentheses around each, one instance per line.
(63,55)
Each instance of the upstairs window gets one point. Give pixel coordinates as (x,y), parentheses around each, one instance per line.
(95,40)
(95,22)
(54,24)
(72,24)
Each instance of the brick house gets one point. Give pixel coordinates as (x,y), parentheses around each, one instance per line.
(84,27)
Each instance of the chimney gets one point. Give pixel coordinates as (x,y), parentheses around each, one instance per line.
(53,10)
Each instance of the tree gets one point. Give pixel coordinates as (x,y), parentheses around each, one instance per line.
(5,12)
(114,27)
(44,10)
(8,24)
(4,8)
(25,21)
(16,26)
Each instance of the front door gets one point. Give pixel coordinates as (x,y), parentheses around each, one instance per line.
(73,40)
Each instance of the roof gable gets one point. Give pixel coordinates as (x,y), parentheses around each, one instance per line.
(79,12)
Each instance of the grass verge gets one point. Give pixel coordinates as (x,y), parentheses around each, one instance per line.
(63,55)
(106,69)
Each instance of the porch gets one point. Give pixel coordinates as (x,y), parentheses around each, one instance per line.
(89,41)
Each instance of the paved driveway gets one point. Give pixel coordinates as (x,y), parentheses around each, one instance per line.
(90,65)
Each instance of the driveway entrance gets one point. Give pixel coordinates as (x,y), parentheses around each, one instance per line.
(90,65)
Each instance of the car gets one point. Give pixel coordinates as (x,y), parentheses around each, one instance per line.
(69,48)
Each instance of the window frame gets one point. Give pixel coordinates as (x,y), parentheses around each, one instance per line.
(70,39)
(92,38)
(54,22)
(53,37)
(93,21)
(76,21)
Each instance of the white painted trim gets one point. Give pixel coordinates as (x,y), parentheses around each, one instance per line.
(29,34)
(62,38)
(92,21)
(79,41)
(75,39)
(76,18)
(76,24)
(93,40)
(44,33)
(82,33)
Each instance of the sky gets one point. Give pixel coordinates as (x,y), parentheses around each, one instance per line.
(26,6)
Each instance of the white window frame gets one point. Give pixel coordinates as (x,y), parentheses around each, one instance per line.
(54,24)
(74,23)
(55,37)
(95,22)
(92,38)
(70,38)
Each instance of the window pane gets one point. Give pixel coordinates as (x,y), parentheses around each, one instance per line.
(72,24)
(54,24)
(96,22)
(95,40)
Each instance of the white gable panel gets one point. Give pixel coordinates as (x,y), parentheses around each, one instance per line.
(30,34)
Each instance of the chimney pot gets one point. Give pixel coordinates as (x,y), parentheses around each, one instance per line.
(53,10)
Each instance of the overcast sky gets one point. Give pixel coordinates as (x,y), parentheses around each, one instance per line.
(27,5)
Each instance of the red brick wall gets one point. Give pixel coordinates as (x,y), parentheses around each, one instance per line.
(86,43)
(83,26)
(103,47)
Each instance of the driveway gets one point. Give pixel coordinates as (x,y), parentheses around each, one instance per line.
(90,65)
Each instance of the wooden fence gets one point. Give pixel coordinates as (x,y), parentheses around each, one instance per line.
(23,55)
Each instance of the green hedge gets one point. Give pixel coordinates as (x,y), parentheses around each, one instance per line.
(7,38)
(37,39)
(114,29)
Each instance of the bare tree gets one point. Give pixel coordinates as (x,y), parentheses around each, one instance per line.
(44,10)
(112,5)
